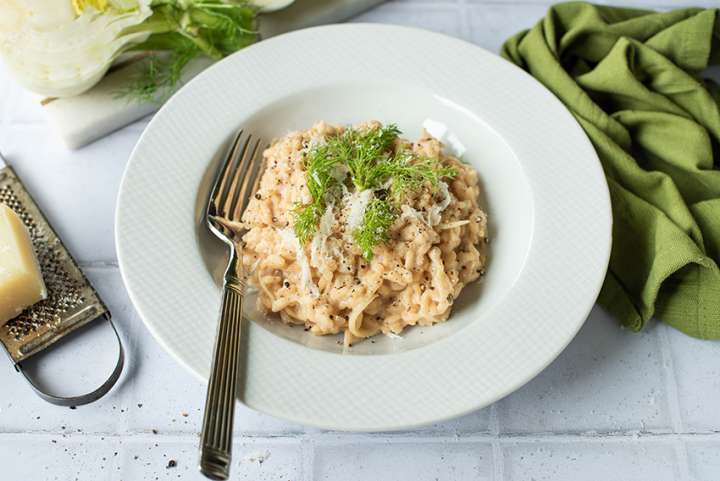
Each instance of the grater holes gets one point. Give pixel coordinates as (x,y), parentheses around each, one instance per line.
(64,292)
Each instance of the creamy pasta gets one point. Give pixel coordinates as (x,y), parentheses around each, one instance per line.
(435,246)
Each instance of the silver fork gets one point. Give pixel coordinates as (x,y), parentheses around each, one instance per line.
(235,183)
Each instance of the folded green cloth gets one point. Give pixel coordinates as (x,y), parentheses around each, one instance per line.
(632,78)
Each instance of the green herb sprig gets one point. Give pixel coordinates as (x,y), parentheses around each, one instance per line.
(181,30)
(370,151)
(378,218)
(372,160)
(410,173)
(358,151)
(322,165)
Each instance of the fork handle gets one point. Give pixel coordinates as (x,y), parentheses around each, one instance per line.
(216,437)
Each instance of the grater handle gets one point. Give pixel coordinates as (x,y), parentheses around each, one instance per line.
(84,398)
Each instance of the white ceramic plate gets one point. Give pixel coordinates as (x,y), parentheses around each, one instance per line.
(545,193)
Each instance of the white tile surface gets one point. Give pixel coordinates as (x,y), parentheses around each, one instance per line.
(704,460)
(697,369)
(438,17)
(403,461)
(609,460)
(24,105)
(615,406)
(474,423)
(74,188)
(489,26)
(149,458)
(607,380)
(37,458)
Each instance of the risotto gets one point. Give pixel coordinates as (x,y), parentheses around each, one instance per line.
(358,231)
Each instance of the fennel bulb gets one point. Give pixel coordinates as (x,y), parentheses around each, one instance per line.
(271,5)
(61,48)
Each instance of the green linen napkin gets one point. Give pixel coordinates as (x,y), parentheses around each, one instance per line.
(632,80)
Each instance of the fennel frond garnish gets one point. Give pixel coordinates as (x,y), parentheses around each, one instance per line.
(365,159)
(181,30)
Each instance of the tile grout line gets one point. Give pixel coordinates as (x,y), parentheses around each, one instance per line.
(341,439)
(307,451)
(497,450)
(5,121)
(669,378)
(682,459)
(498,461)
(465,27)
(494,421)
(671,390)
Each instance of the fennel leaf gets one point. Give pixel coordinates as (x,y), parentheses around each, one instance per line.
(374,161)
(181,30)
(378,218)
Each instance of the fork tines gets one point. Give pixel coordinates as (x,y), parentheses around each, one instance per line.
(237,181)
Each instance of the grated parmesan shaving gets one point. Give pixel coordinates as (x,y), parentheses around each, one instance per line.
(437,129)
(317,246)
(315,141)
(357,203)
(452,225)
(456,148)
(407,212)
(449,140)
(288,236)
(434,212)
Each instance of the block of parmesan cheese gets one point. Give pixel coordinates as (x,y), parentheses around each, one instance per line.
(21,282)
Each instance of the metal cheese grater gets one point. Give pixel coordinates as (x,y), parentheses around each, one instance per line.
(71,303)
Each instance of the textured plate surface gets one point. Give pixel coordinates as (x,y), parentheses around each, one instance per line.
(544,189)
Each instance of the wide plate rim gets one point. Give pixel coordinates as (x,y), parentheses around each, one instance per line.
(128,266)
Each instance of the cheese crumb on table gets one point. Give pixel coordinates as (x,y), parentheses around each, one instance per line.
(21,282)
